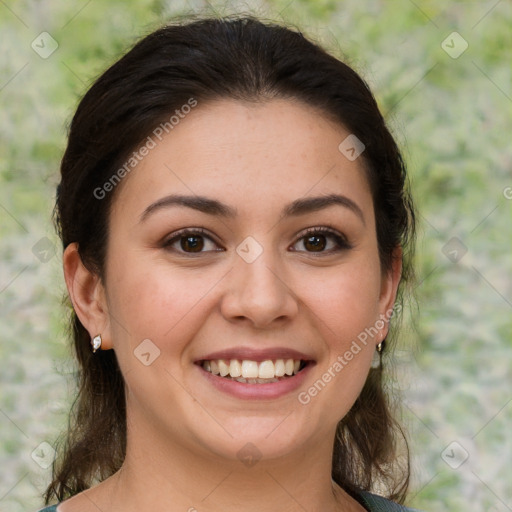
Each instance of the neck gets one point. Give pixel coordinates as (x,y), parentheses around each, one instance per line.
(158,474)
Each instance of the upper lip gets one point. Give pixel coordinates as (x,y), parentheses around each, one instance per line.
(250,354)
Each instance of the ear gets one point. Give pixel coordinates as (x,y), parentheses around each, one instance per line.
(87,295)
(389,286)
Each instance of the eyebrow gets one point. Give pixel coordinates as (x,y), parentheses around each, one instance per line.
(219,209)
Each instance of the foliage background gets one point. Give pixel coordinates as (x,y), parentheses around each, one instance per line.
(452,116)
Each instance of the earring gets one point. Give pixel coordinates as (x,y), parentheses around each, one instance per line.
(96,343)
(377,356)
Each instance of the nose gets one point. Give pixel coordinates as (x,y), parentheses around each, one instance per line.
(259,294)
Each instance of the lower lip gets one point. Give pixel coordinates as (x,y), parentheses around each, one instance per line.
(257,391)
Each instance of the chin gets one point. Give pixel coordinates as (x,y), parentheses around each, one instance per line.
(257,439)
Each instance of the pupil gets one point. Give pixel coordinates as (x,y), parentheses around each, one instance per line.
(317,242)
(192,243)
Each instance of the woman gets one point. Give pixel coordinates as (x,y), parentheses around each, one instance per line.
(236,229)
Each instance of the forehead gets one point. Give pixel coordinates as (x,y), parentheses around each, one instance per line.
(252,155)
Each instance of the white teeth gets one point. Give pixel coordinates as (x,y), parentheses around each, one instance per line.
(235,368)
(249,369)
(214,367)
(223,368)
(252,372)
(288,367)
(266,370)
(279,368)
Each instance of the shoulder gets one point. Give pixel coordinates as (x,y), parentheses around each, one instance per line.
(51,508)
(376,503)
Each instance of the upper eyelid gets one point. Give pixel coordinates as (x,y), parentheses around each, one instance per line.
(320,229)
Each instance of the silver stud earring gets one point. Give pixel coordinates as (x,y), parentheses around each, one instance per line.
(96,343)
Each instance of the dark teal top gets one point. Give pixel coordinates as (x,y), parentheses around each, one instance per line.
(374,503)
(371,502)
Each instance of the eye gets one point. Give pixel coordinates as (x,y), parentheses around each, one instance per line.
(316,240)
(190,241)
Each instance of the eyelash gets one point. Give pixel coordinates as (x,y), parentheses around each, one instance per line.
(341,242)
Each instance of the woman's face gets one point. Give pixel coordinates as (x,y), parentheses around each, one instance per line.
(268,271)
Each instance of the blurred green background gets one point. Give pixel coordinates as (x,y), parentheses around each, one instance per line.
(448,100)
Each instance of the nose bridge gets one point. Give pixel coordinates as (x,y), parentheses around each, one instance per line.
(262,277)
(258,290)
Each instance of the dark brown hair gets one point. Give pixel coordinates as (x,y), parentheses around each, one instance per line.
(245,59)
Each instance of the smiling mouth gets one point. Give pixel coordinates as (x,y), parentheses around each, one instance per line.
(254,372)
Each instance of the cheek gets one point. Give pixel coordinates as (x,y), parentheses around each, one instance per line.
(344,308)
(150,300)
(346,302)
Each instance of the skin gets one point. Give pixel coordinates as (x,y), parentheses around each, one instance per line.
(183,434)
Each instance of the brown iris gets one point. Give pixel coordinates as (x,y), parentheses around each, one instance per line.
(315,242)
(192,243)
